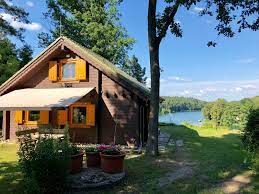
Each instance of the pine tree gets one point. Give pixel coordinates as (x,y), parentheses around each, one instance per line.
(25,55)
(134,69)
(9,62)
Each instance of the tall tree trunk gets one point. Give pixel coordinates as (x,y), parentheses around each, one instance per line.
(152,144)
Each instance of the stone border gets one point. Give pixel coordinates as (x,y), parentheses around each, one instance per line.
(92,178)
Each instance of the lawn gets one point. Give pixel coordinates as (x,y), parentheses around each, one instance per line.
(10,176)
(215,156)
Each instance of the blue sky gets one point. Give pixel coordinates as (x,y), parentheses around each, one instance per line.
(190,68)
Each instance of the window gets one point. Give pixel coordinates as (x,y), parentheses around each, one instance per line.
(82,115)
(68,71)
(34,115)
(79,115)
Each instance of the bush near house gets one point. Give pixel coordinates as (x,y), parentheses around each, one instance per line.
(44,162)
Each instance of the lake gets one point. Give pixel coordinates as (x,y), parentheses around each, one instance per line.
(180,117)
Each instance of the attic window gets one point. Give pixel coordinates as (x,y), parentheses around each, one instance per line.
(68,71)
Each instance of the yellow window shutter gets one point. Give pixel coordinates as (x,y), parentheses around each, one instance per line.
(18,117)
(44,117)
(80,69)
(90,116)
(62,117)
(53,70)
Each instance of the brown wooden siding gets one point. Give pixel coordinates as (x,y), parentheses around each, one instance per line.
(116,102)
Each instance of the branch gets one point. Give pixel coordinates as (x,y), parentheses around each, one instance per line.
(168,19)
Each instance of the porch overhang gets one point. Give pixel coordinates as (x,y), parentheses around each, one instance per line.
(42,99)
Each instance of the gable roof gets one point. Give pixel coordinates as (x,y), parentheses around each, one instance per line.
(94,59)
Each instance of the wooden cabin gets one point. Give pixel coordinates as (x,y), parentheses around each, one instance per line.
(69,84)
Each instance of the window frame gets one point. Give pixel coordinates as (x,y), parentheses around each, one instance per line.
(29,122)
(60,69)
(73,125)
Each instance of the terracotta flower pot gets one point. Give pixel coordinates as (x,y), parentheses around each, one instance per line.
(93,159)
(76,163)
(112,163)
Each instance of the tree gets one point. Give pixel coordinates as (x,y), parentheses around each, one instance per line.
(206,111)
(178,104)
(94,24)
(9,10)
(9,62)
(235,115)
(11,59)
(25,55)
(241,14)
(250,134)
(134,69)
(217,111)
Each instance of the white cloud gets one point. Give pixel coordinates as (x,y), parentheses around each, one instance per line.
(211,90)
(249,86)
(198,9)
(238,89)
(18,24)
(246,60)
(176,78)
(29,3)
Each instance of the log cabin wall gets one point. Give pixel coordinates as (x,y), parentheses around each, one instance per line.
(117,105)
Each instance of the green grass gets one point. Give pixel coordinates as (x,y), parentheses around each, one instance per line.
(10,176)
(217,155)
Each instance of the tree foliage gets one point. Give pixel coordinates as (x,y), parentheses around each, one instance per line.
(179,104)
(134,69)
(7,9)
(230,114)
(250,135)
(12,59)
(25,55)
(9,62)
(94,24)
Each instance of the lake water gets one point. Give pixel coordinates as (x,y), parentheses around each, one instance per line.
(180,117)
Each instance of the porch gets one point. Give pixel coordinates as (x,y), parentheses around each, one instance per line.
(52,108)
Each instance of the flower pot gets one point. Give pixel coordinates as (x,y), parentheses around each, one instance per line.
(76,163)
(93,159)
(112,163)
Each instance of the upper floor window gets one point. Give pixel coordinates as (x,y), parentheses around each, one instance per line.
(68,71)
(72,69)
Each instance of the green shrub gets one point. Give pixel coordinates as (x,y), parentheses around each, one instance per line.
(45,165)
(250,134)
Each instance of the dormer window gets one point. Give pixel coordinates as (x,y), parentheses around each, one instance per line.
(65,70)
(68,71)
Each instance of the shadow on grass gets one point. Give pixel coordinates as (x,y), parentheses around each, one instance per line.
(219,156)
(10,178)
(141,176)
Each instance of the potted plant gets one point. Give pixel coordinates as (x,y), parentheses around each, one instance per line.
(76,159)
(92,156)
(112,160)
